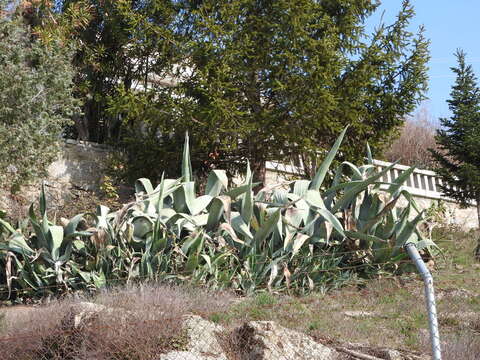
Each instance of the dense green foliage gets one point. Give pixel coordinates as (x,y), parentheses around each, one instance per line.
(36,101)
(294,236)
(459,137)
(277,80)
(256,80)
(458,158)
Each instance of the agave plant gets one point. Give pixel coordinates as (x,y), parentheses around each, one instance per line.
(297,235)
(40,262)
(276,238)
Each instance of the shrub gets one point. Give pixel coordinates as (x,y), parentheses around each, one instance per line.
(416,137)
(36,102)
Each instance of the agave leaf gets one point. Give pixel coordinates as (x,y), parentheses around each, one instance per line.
(208,261)
(411,200)
(186,163)
(239,190)
(162,191)
(345,185)
(43,201)
(322,170)
(366,237)
(280,197)
(200,220)
(350,194)
(426,244)
(229,229)
(356,173)
(398,182)
(313,198)
(332,219)
(300,187)
(189,191)
(219,205)
(369,155)
(142,225)
(248,175)
(287,240)
(273,275)
(201,204)
(267,228)
(66,254)
(101,216)
(193,243)
(18,244)
(143,185)
(294,216)
(157,199)
(179,200)
(380,215)
(298,243)
(99,280)
(216,182)
(7,226)
(240,226)
(55,240)
(247,203)
(407,234)
(72,225)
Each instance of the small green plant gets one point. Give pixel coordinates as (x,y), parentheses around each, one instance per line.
(265,299)
(2,322)
(437,212)
(108,189)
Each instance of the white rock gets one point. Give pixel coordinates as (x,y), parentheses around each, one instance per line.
(360,314)
(202,337)
(393,355)
(182,355)
(265,340)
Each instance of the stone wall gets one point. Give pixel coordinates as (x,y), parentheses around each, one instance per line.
(80,166)
(466,218)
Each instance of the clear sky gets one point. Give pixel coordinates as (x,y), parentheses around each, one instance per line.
(449,24)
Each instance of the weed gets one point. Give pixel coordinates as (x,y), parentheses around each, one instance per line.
(264,299)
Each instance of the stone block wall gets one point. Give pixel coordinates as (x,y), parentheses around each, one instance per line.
(80,166)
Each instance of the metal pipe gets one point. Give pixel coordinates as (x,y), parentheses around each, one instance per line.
(430,299)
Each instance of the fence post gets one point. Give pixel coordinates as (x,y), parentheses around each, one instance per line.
(430,299)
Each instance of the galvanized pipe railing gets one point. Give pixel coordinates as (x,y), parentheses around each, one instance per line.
(430,299)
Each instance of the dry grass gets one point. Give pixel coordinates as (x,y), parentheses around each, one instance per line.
(148,318)
(146,321)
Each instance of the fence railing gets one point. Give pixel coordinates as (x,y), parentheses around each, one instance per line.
(423,183)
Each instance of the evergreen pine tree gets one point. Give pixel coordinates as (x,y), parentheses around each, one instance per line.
(458,138)
(279,80)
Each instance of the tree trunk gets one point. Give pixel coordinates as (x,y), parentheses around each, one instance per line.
(477,249)
(259,172)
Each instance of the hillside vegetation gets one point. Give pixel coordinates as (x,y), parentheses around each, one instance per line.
(295,237)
